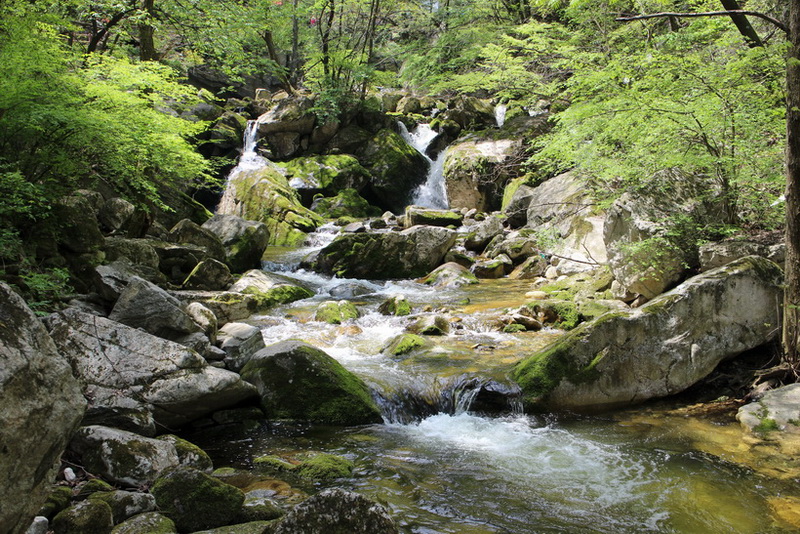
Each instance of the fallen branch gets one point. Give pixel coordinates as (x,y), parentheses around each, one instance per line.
(764,16)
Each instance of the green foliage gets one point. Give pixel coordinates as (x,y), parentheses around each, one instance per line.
(43,289)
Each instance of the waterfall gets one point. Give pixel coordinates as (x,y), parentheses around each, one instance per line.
(432,193)
(249,160)
(500,114)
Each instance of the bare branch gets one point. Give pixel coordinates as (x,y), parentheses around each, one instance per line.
(771,20)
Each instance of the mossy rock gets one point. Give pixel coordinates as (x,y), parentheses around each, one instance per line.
(327,173)
(405,343)
(430,325)
(124,504)
(189,454)
(514,328)
(93,486)
(346,203)
(147,523)
(323,466)
(300,382)
(58,499)
(280,294)
(336,312)
(451,274)
(252,527)
(273,463)
(195,500)
(397,305)
(86,517)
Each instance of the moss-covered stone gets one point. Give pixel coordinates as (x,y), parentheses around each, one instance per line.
(450,274)
(404,343)
(336,312)
(396,305)
(346,203)
(252,527)
(327,173)
(189,454)
(273,463)
(58,499)
(416,215)
(514,328)
(298,381)
(280,294)
(86,517)
(125,504)
(147,523)
(430,325)
(195,500)
(323,466)
(92,486)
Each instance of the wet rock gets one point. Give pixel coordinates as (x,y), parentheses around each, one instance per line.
(228,306)
(450,274)
(346,203)
(336,312)
(253,527)
(125,504)
(259,506)
(661,348)
(195,500)
(518,246)
(40,525)
(239,341)
(337,510)
(404,343)
(349,290)
(533,267)
(408,254)
(310,465)
(244,241)
(269,289)
(326,174)
(431,217)
(58,499)
(483,233)
(395,305)
(189,454)
(145,305)
(430,325)
(778,410)
(87,517)
(298,381)
(42,406)
(147,523)
(490,268)
(209,274)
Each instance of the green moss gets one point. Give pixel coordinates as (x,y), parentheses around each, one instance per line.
(146,523)
(274,463)
(322,466)
(87,517)
(58,499)
(251,527)
(397,306)
(347,204)
(332,312)
(404,344)
(281,294)
(766,425)
(189,454)
(513,328)
(93,486)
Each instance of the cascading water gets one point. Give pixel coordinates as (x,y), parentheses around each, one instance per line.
(500,114)
(432,193)
(249,161)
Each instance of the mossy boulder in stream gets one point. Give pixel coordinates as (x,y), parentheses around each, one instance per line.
(336,312)
(327,174)
(311,465)
(269,289)
(396,305)
(298,381)
(86,517)
(404,344)
(659,349)
(346,203)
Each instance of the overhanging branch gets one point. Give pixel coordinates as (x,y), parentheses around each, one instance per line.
(758,14)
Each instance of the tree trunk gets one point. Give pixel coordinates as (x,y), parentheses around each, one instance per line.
(147,45)
(742,23)
(791,302)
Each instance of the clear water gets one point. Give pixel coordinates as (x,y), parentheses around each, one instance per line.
(465,473)
(432,193)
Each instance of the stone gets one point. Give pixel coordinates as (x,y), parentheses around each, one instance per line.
(411,253)
(147,523)
(348,290)
(345,203)
(298,381)
(145,305)
(718,253)
(326,174)
(489,268)
(42,405)
(431,217)
(58,499)
(258,506)
(269,289)
(336,312)
(404,343)
(335,511)
(176,261)
(244,241)
(531,268)
(483,233)
(40,525)
(117,216)
(195,500)
(189,454)
(204,318)
(227,306)
(86,517)
(125,504)
(396,305)
(189,232)
(661,348)
(115,362)
(778,410)
(517,246)
(209,274)
(449,275)
(239,341)
(430,325)
(78,229)
(139,251)
(252,527)
(123,457)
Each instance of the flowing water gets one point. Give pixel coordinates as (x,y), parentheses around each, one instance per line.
(454,467)
(432,193)
(500,114)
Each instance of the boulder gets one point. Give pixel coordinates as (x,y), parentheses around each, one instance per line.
(195,500)
(244,241)
(189,454)
(269,289)
(209,274)
(78,230)
(259,506)
(483,233)
(336,312)
(663,347)
(145,305)
(431,217)
(404,343)
(147,523)
(516,209)
(346,203)
(204,318)
(125,504)
(42,406)
(85,517)
(649,233)
(408,254)
(117,216)
(191,233)
(326,174)
(227,306)
(718,253)
(430,325)
(495,268)
(336,510)
(123,457)
(396,305)
(116,362)
(177,261)
(777,411)
(474,171)
(450,274)
(298,381)
(239,341)
(139,251)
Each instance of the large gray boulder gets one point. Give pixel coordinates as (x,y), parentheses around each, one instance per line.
(244,241)
(42,406)
(145,305)
(189,232)
(408,254)
(337,511)
(166,379)
(269,289)
(661,348)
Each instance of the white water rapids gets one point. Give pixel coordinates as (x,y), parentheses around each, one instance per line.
(432,193)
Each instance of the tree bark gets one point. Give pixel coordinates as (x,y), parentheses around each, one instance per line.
(147,45)
(742,24)
(791,301)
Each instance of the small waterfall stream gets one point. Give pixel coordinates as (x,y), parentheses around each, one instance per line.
(432,193)
(249,161)
(500,114)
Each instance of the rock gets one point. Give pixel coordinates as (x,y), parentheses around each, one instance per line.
(40,525)
(123,457)
(396,305)
(646,235)
(258,506)
(42,406)
(516,209)
(204,318)
(189,454)
(195,500)
(86,517)
(177,261)
(310,465)
(191,233)
(483,233)
(78,229)
(395,166)
(354,228)
(408,254)
(777,410)
(416,215)
(139,251)
(239,341)
(404,343)
(117,216)
(336,312)
(58,499)
(244,241)
(253,527)
(147,523)
(346,203)
(719,253)
(263,194)
(298,381)
(326,174)
(516,245)
(227,306)
(145,305)
(348,290)
(490,268)
(450,274)
(125,504)
(118,362)
(661,348)
(337,510)
(430,325)
(533,267)
(209,274)
(269,289)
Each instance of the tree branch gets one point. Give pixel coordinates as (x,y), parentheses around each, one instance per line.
(771,20)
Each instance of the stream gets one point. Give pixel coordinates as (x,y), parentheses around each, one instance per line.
(452,468)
